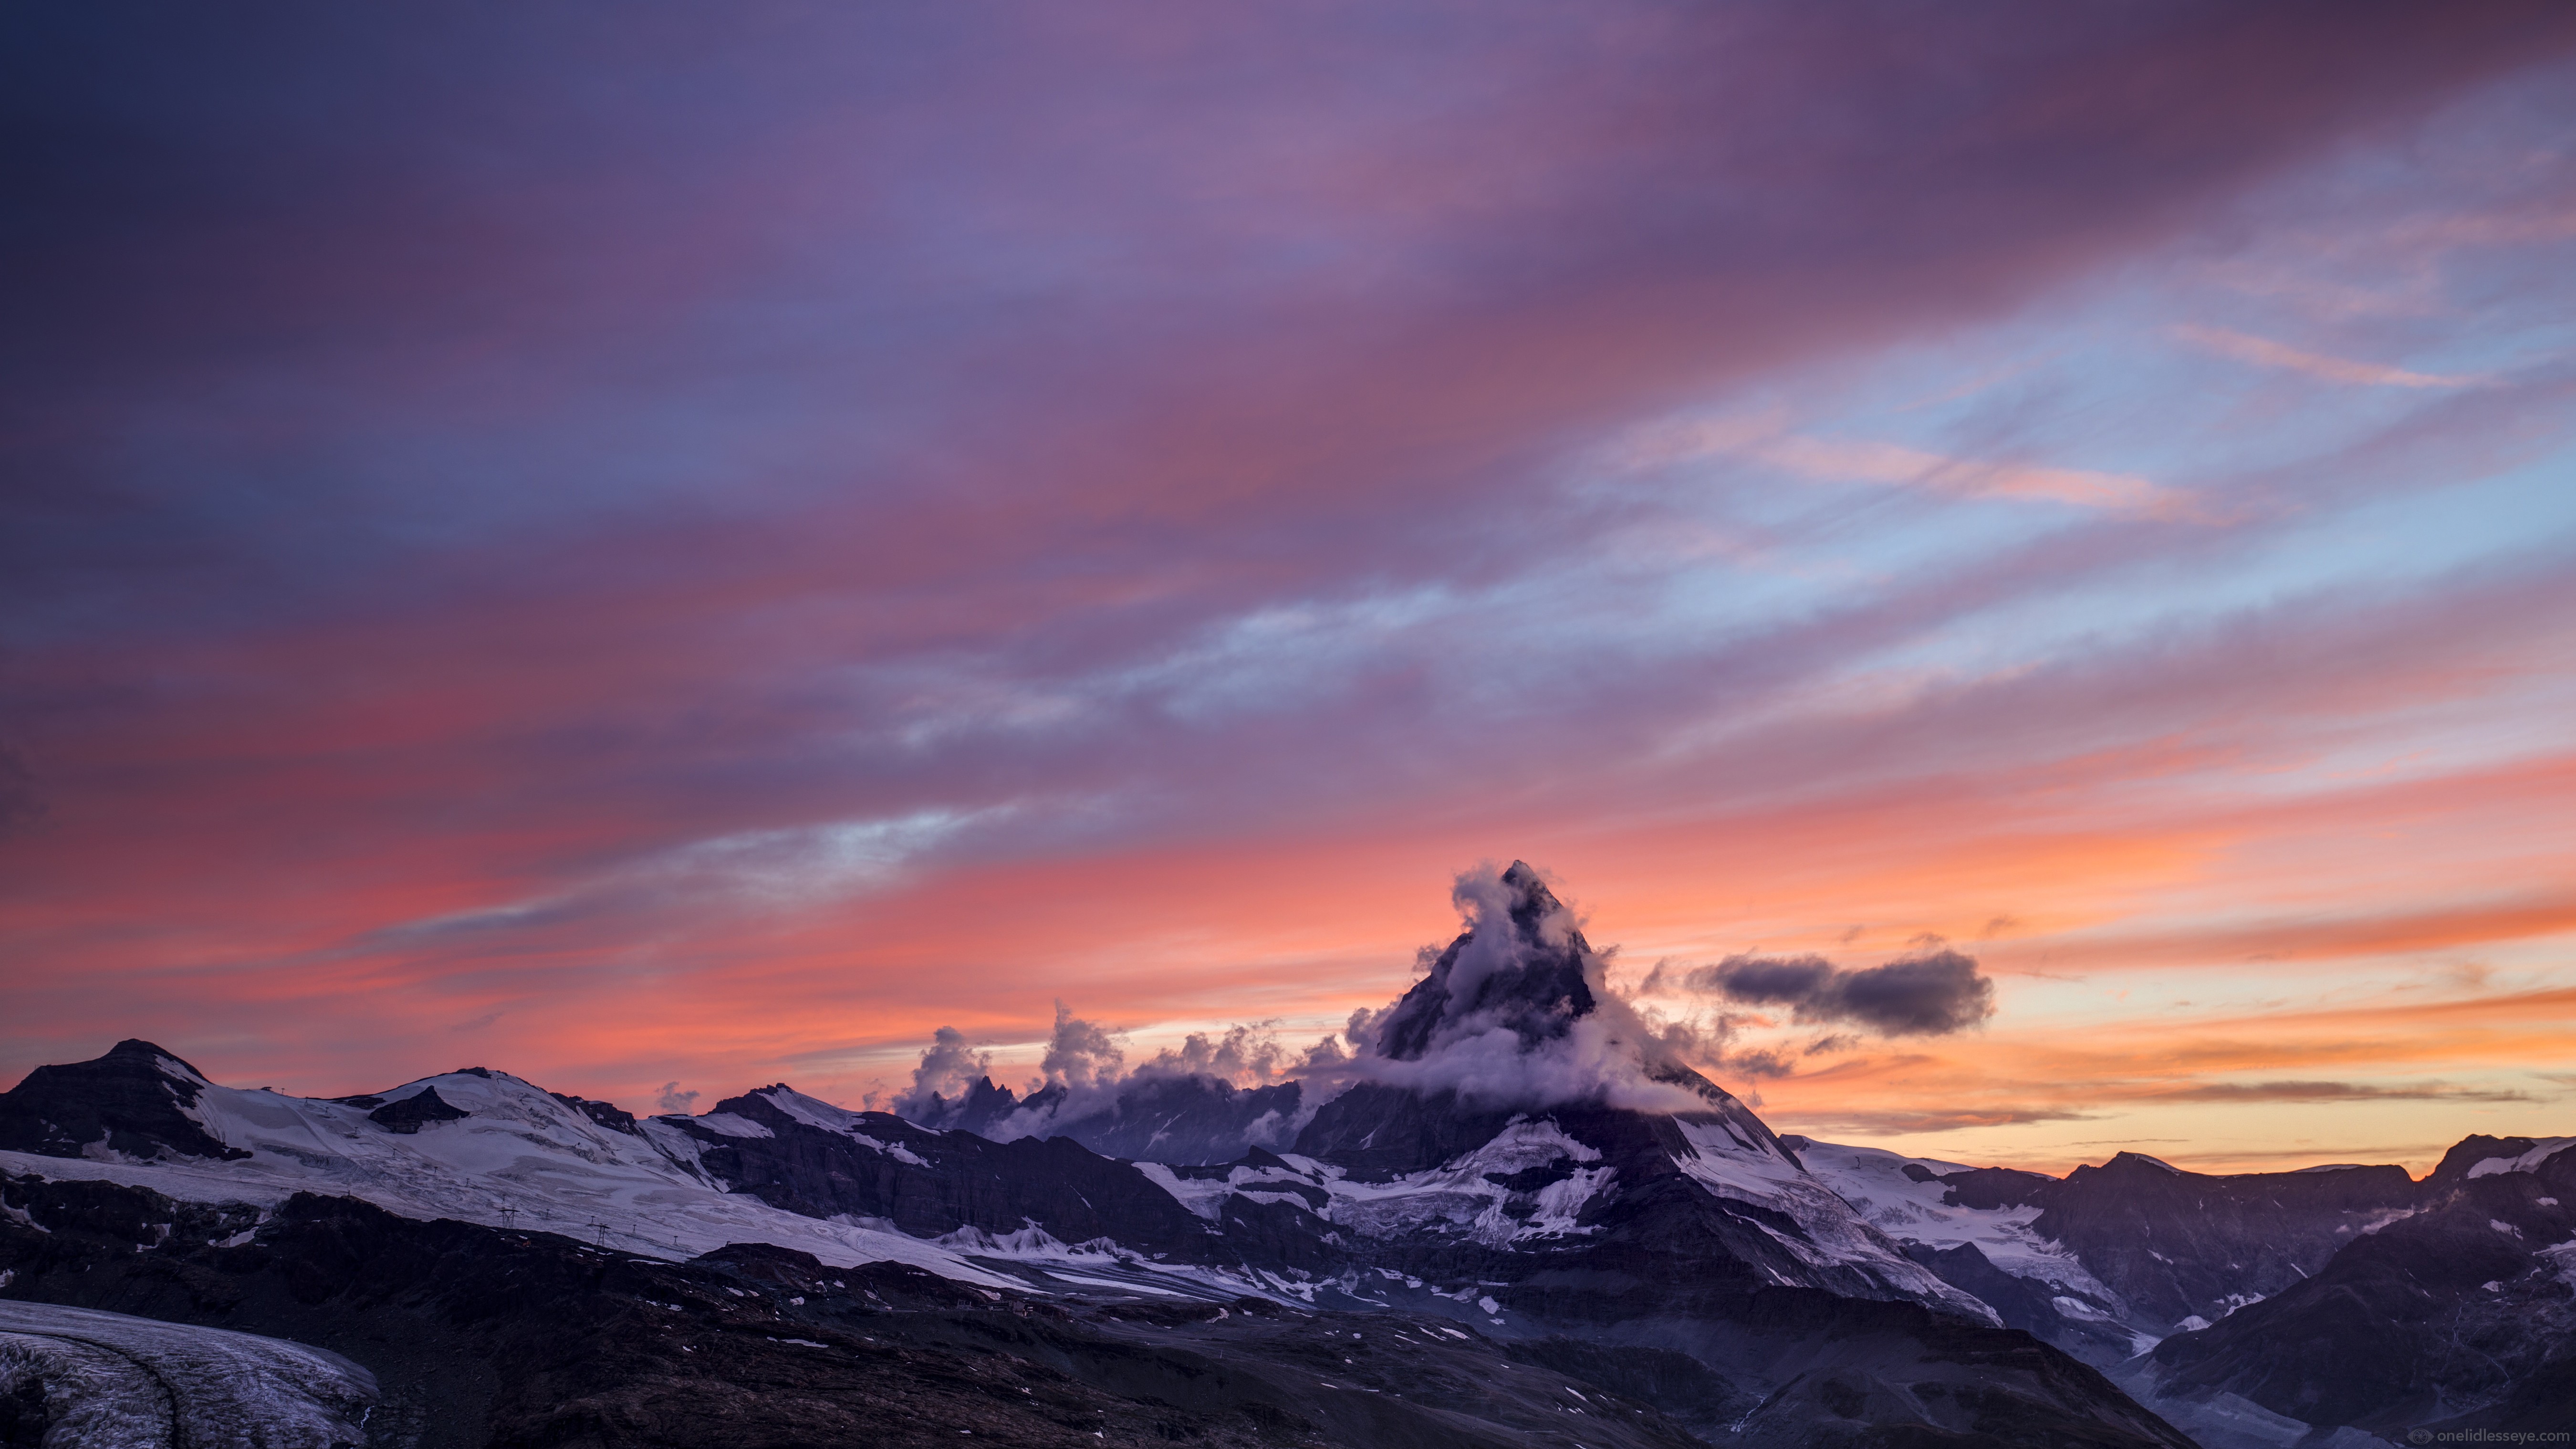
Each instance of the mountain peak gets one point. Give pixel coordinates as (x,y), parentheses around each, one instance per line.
(1519,964)
(137,1099)
(1523,878)
(135,1049)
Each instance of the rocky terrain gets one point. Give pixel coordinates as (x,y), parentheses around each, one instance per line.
(477,1336)
(2459,1316)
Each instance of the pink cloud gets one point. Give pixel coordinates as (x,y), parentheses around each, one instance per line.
(2266,353)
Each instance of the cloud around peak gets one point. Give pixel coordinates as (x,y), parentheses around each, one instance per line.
(1517,1012)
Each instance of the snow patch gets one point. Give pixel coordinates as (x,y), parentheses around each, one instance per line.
(1462,1196)
(2561,1262)
(2547,1148)
(2383,1218)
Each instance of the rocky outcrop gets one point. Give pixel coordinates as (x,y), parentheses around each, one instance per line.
(1537,991)
(130,1102)
(928,1183)
(606,1114)
(1379,1133)
(416,1111)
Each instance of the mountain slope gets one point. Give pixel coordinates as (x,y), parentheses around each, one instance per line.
(2336,1300)
(78,1376)
(520,1340)
(2460,1316)
(513,1156)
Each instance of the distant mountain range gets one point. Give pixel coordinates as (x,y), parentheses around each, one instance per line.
(1400,1256)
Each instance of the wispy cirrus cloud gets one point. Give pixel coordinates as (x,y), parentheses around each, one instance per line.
(2335,1092)
(754,560)
(1910,1121)
(1766,439)
(2264,352)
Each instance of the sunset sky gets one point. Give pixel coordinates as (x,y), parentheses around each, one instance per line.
(695,545)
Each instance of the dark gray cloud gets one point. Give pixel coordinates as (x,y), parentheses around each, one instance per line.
(1933,992)
(2336,1092)
(1762,1063)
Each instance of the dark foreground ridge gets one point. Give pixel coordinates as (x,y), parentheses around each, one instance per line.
(479,1336)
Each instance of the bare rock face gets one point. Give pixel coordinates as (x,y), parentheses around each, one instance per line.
(1532,979)
(606,1114)
(812,1158)
(416,1111)
(132,1102)
(2459,1316)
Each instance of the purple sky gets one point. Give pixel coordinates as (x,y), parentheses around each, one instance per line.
(653,544)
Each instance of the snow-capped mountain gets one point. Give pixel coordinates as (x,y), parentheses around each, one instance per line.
(496,1150)
(1510,1175)
(2263,1309)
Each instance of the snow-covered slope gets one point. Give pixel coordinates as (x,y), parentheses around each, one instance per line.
(2530,1161)
(1835,1232)
(815,1112)
(492,1149)
(519,1157)
(137,1383)
(1467,1195)
(1911,1208)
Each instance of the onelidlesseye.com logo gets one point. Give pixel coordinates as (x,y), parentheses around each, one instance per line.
(2488,1436)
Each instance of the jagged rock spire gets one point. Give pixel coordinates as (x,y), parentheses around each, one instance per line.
(1519,964)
